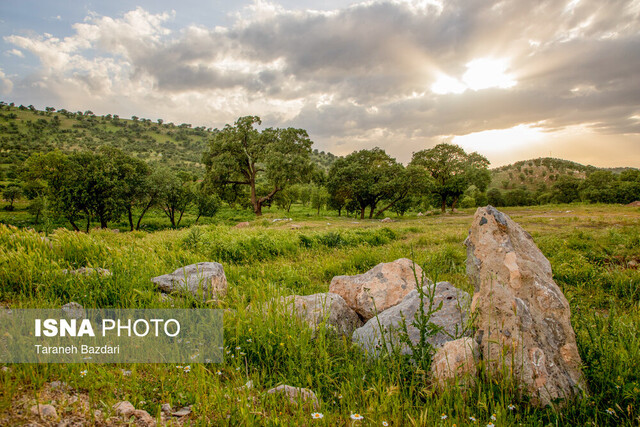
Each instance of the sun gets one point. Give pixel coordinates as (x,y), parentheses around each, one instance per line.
(482,73)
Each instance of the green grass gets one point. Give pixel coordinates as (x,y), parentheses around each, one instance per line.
(592,251)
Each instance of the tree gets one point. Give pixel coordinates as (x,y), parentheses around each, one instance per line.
(565,189)
(176,198)
(367,177)
(452,171)
(11,194)
(242,155)
(287,197)
(495,198)
(206,204)
(319,197)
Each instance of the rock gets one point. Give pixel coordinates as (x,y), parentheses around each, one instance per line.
(88,271)
(297,394)
(523,319)
(144,418)
(451,317)
(295,227)
(73,310)
(124,409)
(386,220)
(385,285)
(420,214)
(182,412)
(207,277)
(455,360)
(313,309)
(166,408)
(243,224)
(44,411)
(58,384)
(634,204)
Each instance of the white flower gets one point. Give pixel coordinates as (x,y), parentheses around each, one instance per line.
(493,417)
(473,419)
(385,424)
(249,340)
(317,415)
(490,425)
(83,373)
(511,407)
(179,366)
(238,348)
(238,368)
(610,411)
(339,396)
(443,416)
(187,368)
(218,373)
(357,417)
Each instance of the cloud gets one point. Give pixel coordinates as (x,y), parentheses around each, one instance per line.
(400,74)
(6,85)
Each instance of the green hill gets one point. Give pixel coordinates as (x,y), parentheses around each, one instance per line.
(536,173)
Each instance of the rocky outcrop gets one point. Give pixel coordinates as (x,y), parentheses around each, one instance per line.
(523,319)
(206,278)
(451,318)
(328,309)
(384,286)
(73,310)
(455,362)
(297,394)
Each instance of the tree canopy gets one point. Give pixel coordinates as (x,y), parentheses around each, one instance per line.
(265,161)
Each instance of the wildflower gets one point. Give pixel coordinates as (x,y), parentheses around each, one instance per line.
(238,368)
(511,407)
(228,351)
(179,366)
(473,419)
(610,411)
(218,373)
(385,424)
(281,344)
(493,417)
(443,416)
(83,373)
(357,417)
(490,425)
(242,353)
(317,415)
(249,340)
(187,368)
(339,396)
(238,348)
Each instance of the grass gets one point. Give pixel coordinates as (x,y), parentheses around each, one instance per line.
(593,251)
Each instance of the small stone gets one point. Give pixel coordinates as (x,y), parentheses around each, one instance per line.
(166,408)
(125,373)
(243,224)
(124,408)
(144,418)
(297,394)
(182,412)
(387,220)
(45,411)
(73,310)
(295,227)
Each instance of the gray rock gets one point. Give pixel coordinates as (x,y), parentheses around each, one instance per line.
(183,412)
(124,408)
(166,408)
(328,309)
(522,317)
(205,277)
(73,310)
(297,394)
(451,317)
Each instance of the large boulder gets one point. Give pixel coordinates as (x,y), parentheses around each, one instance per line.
(329,309)
(206,278)
(384,286)
(523,319)
(451,317)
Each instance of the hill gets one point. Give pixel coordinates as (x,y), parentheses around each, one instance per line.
(26,130)
(537,173)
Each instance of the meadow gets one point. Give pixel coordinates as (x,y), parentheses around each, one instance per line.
(594,251)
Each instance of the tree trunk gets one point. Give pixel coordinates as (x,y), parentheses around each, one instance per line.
(144,211)
(362,213)
(73,224)
(130,218)
(444,205)
(373,208)
(453,205)
(339,210)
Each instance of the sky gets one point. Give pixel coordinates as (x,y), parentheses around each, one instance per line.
(512,80)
